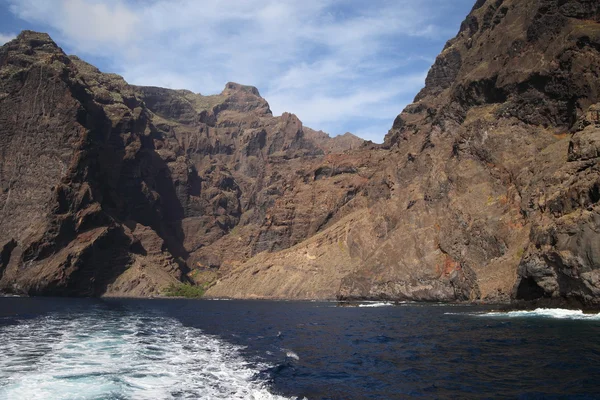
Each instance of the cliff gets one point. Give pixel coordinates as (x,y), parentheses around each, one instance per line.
(486,188)
(490,177)
(112,189)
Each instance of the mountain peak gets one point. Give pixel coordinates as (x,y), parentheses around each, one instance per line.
(29,48)
(29,35)
(36,41)
(516,55)
(232,87)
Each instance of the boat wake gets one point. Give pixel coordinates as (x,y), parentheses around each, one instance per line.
(122,357)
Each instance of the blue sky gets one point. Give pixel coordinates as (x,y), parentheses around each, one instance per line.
(340,65)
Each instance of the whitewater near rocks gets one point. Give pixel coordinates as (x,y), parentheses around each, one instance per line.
(555,313)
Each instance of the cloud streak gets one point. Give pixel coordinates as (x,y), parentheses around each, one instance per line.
(335,63)
(6,37)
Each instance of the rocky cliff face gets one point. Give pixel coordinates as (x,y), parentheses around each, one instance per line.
(486,188)
(489,185)
(111,189)
(500,128)
(81,187)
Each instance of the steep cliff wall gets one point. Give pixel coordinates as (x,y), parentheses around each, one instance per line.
(80,181)
(492,173)
(506,126)
(111,189)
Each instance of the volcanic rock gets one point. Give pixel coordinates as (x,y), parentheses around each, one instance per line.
(488,190)
(113,189)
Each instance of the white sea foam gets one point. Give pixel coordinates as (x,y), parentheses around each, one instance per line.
(381,304)
(557,313)
(291,354)
(127,357)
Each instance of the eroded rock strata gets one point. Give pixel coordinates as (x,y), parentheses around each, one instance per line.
(486,188)
(491,176)
(112,189)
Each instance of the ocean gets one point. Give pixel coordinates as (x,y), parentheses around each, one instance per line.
(55,348)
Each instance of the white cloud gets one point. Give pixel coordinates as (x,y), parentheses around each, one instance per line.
(6,37)
(328,61)
(373,132)
(88,26)
(373,101)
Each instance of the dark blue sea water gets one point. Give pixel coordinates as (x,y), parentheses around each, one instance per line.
(186,349)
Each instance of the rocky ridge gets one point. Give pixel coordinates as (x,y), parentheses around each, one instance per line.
(113,189)
(486,188)
(491,175)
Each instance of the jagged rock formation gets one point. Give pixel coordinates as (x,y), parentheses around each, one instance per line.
(486,188)
(111,189)
(497,131)
(492,174)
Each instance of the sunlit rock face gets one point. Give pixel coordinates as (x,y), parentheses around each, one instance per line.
(486,188)
(499,152)
(112,189)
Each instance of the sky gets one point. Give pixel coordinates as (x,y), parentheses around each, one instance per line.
(339,65)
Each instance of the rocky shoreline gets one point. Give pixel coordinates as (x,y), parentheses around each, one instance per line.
(501,306)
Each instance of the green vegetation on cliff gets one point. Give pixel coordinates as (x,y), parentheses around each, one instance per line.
(185,290)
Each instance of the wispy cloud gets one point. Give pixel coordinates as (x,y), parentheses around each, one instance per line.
(6,37)
(87,26)
(328,61)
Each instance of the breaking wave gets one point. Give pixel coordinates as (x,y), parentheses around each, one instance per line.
(122,357)
(291,354)
(383,304)
(557,313)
